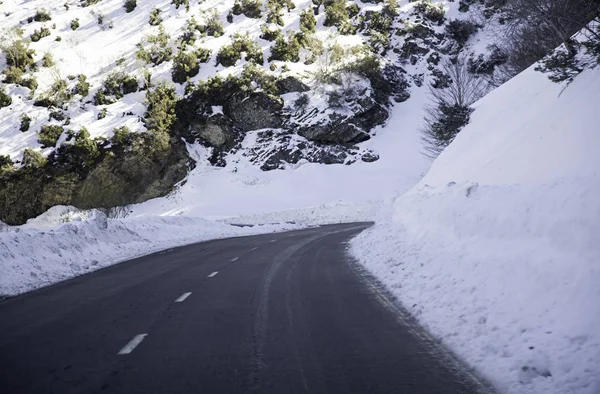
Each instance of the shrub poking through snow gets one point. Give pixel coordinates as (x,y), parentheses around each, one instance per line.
(5,99)
(212,24)
(185,65)
(286,50)
(155,18)
(130,5)
(116,85)
(6,163)
(160,108)
(75,24)
(82,87)
(25,122)
(47,60)
(33,159)
(155,49)
(49,134)
(269,34)
(433,11)
(230,54)
(42,16)
(18,54)
(40,33)
(179,3)
(250,8)
(308,22)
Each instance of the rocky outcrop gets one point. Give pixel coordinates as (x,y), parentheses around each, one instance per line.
(291,85)
(334,133)
(276,150)
(216,131)
(257,111)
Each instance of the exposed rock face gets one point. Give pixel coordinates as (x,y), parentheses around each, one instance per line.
(340,133)
(114,181)
(290,85)
(276,150)
(257,111)
(216,131)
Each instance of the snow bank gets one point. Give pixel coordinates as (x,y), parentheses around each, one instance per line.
(495,251)
(44,252)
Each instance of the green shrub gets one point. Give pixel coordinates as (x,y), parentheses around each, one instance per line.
(159,50)
(42,16)
(178,3)
(308,22)
(82,87)
(268,34)
(75,24)
(102,114)
(129,5)
(6,163)
(5,99)
(230,54)
(86,3)
(275,14)
(155,18)
(49,134)
(185,65)
(18,54)
(160,108)
(286,50)
(33,159)
(31,83)
(13,75)
(116,85)
(25,122)
(47,60)
(212,24)
(335,13)
(203,54)
(39,34)
(250,8)
(430,10)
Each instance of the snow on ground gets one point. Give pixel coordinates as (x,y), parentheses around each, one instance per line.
(495,251)
(44,251)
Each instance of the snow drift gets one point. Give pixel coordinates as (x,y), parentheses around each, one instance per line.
(495,251)
(44,251)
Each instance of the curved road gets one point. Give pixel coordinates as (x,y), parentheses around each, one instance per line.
(275,313)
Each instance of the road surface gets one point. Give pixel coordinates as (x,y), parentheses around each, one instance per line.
(275,313)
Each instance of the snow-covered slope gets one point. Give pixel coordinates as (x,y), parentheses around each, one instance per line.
(495,251)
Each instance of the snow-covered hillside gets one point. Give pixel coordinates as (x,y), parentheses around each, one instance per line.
(495,251)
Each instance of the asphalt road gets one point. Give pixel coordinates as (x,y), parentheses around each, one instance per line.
(276,313)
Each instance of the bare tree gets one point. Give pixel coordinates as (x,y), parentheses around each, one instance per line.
(450,108)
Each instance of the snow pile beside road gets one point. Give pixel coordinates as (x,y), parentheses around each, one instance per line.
(43,252)
(496,250)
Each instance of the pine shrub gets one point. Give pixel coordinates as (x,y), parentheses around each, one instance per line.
(33,159)
(158,49)
(25,122)
(160,108)
(49,134)
(42,16)
(5,99)
(155,18)
(185,65)
(130,5)
(40,33)
(75,24)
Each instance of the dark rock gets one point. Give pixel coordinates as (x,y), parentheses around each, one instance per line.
(412,49)
(257,111)
(369,157)
(216,131)
(290,85)
(375,116)
(341,133)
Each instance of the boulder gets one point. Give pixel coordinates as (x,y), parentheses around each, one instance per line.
(290,85)
(341,133)
(216,131)
(257,111)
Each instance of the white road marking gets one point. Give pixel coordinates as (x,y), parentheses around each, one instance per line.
(254,248)
(133,344)
(183,297)
(213,274)
(273,240)
(235,259)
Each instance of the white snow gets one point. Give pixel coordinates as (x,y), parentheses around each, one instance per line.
(495,251)
(44,251)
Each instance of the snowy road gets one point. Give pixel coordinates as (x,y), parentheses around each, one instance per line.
(275,313)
